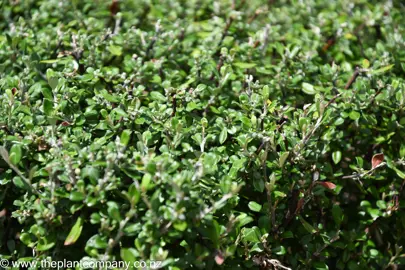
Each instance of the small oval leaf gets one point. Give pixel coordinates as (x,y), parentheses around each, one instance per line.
(15,154)
(283,158)
(125,137)
(377,160)
(308,89)
(74,232)
(254,206)
(223,135)
(336,156)
(328,185)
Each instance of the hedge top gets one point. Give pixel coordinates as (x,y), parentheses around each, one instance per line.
(203,134)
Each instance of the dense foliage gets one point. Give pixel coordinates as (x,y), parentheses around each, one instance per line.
(204,134)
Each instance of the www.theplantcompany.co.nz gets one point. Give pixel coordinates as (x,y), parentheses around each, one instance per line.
(83,264)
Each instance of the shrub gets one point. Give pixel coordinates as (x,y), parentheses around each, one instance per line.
(203,134)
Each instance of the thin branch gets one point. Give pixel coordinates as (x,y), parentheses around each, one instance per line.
(257,13)
(353,78)
(114,241)
(335,238)
(5,156)
(224,34)
(266,263)
(298,147)
(359,176)
(347,86)
(152,42)
(215,206)
(219,65)
(117,26)
(332,40)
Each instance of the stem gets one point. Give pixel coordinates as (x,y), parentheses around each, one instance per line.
(318,252)
(305,140)
(219,65)
(202,145)
(257,12)
(5,156)
(153,41)
(215,206)
(113,242)
(268,189)
(174,105)
(353,78)
(224,34)
(347,86)
(358,176)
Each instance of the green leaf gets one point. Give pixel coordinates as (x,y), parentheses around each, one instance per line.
(308,89)
(125,137)
(76,196)
(204,122)
(280,250)
(191,106)
(45,243)
(120,112)
(109,97)
(157,96)
(266,92)
(287,234)
(146,136)
(97,241)
(134,194)
(15,154)
(306,225)
(279,194)
(129,255)
(381,204)
(244,65)
(53,82)
(373,253)
(382,70)
(251,235)
(270,185)
(18,182)
(254,206)
(336,156)
(115,50)
(243,219)
(258,184)
(354,115)
(75,232)
(283,158)
(146,179)
(95,218)
(50,61)
(320,266)
(132,229)
(180,225)
(26,239)
(374,213)
(399,173)
(365,63)
(91,172)
(223,135)
(48,107)
(113,210)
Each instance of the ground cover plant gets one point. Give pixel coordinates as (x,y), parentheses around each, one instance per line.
(203,134)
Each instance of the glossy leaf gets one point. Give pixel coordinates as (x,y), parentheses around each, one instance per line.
(75,232)
(336,156)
